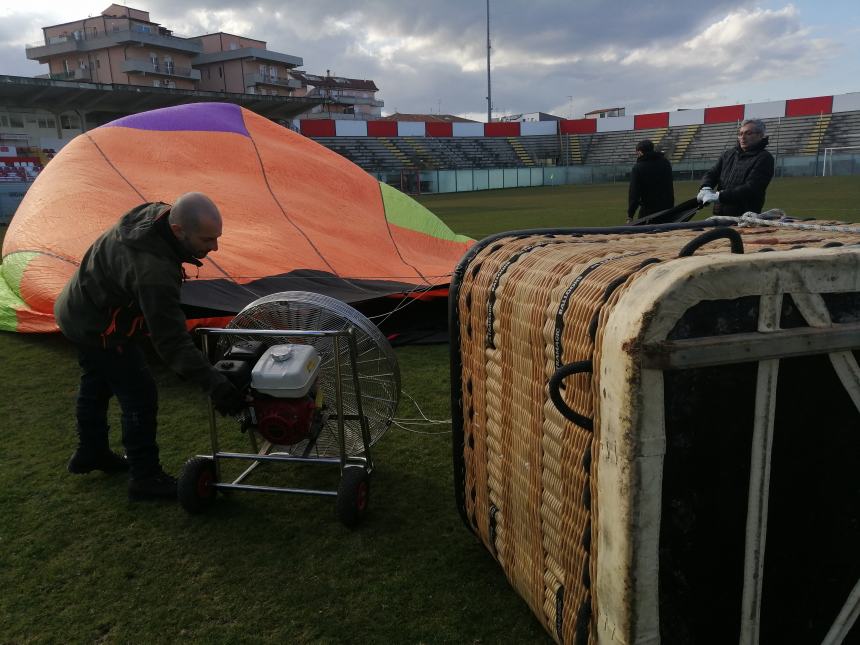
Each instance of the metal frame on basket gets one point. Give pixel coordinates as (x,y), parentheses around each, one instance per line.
(767,346)
(261,452)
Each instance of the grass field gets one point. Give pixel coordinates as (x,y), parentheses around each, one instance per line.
(481,213)
(78,563)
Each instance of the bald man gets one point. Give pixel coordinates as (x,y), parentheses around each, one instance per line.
(127,287)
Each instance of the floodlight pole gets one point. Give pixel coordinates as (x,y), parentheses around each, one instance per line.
(489,87)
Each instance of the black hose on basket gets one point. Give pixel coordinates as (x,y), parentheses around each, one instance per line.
(731,234)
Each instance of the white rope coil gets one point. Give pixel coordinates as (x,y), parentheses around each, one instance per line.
(777,218)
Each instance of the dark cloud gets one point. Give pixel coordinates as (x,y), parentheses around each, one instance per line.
(639,55)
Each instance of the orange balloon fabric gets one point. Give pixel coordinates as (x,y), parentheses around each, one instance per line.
(297,216)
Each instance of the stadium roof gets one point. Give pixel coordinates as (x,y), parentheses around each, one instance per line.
(59,96)
(432,118)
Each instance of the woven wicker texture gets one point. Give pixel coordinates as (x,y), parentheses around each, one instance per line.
(527,306)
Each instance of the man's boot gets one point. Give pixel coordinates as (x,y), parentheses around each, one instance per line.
(106,460)
(155,485)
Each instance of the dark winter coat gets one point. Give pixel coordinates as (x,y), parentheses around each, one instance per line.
(741,179)
(651,187)
(128,285)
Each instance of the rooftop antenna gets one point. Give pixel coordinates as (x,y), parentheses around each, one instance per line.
(489,87)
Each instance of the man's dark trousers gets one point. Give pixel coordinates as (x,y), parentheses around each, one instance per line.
(120,371)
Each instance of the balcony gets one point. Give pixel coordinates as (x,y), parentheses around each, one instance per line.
(249,53)
(72,75)
(358,100)
(346,99)
(266,79)
(86,43)
(146,66)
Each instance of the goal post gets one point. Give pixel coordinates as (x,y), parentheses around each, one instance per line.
(828,154)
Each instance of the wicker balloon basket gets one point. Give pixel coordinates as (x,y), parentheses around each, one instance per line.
(657,430)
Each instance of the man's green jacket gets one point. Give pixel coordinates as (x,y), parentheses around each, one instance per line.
(128,285)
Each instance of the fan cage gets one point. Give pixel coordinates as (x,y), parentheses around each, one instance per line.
(376,364)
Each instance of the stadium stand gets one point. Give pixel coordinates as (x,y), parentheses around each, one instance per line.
(679,140)
(545,149)
(15,169)
(796,127)
(843,130)
(620,147)
(522,154)
(803,135)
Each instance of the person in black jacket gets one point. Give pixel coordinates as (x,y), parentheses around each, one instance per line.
(651,187)
(126,287)
(737,183)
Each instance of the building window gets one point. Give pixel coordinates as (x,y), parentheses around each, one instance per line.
(47,122)
(69,122)
(4,121)
(220,72)
(16,121)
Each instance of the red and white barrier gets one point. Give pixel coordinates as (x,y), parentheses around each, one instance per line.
(810,106)
(846,102)
(769,110)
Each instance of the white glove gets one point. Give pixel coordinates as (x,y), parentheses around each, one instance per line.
(707,196)
(712,196)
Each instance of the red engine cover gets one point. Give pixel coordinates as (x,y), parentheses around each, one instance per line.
(284,421)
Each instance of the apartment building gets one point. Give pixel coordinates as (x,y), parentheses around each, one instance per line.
(230,63)
(124,46)
(353,98)
(119,46)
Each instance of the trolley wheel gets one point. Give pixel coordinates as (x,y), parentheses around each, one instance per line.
(353,495)
(196,485)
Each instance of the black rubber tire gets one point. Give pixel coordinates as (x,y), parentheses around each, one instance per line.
(195,487)
(353,495)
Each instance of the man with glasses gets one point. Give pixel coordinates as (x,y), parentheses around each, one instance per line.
(736,184)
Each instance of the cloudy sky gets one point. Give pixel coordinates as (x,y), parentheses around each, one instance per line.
(565,57)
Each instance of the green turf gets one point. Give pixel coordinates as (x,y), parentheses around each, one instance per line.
(480,213)
(78,563)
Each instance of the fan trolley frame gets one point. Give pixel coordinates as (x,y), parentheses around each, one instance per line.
(262,451)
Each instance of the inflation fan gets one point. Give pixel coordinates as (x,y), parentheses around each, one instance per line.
(323,385)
